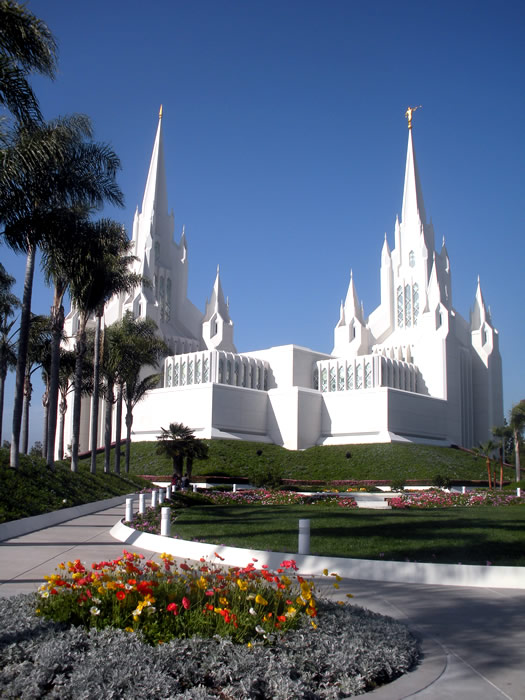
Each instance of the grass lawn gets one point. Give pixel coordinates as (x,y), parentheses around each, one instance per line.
(472,535)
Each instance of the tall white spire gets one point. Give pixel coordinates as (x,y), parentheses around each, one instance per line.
(413,205)
(155,194)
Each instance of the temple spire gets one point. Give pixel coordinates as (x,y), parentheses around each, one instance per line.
(155,193)
(413,205)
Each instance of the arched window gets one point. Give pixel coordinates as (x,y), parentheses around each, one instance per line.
(368,375)
(411,259)
(190,371)
(340,378)
(198,372)
(408,306)
(400,306)
(359,377)
(415,302)
(168,378)
(349,377)
(221,371)
(176,375)
(183,373)
(316,379)
(332,378)
(205,370)
(324,380)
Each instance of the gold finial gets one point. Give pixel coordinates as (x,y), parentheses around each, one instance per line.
(160,112)
(408,114)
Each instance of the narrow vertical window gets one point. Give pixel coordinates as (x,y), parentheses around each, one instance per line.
(368,375)
(168,378)
(324,380)
(236,372)
(266,380)
(316,379)
(176,375)
(408,306)
(221,371)
(259,378)
(400,306)
(205,370)
(190,371)
(229,372)
(411,259)
(332,378)
(183,373)
(198,372)
(349,377)
(340,378)
(359,377)
(415,302)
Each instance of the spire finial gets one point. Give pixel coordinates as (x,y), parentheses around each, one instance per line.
(408,114)
(160,112)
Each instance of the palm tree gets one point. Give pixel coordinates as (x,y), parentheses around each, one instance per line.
(38,348)
(197,449)
(8,304)
(101,270)
(26,45)
(44,170)
(176,442)
(487,450)
(139,347)
(517,424)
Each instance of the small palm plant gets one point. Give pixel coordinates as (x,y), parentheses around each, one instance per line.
(179,442)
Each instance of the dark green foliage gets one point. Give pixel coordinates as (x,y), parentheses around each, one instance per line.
(441,482)
(34,489)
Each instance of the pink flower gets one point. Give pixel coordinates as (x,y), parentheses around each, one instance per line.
(185,603)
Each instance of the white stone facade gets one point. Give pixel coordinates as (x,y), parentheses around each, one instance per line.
(414,370)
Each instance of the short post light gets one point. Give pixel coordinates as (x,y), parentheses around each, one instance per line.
(304,537)
(142,503)
(129,510)
(165,521)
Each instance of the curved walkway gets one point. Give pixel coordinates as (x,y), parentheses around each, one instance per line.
(473,638)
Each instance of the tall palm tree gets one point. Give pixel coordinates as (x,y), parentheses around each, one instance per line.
(26,45)
(8,305)
(140,347)
(44,170)
(38,348)
(101,270)
(517,424)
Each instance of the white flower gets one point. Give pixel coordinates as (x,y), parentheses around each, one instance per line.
(252,611)
(97,601)
(137,611)
(44,594)
(259,629)
(151,609)
(94,610)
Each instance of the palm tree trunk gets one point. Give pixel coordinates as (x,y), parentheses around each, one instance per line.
(28,390)
(57,326)
(118,430)
(108,419)
(63,409)
(45,404)
(77,397)
(23,340)
(129,423)
(517,455)
(94,402)
(2,390)
(488,470)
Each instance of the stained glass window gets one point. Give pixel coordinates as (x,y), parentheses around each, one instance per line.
(408,306)
(229,372)
(415,302)
(368,375)
(359,377)
(176,375)
(316,379)
(190,372)
(183,373)
(349,377)
(221,371)
(168,378)
(411,259)
(324,379)
(400,306)
(198,372)
(205,370)
(340,378)
(332,378)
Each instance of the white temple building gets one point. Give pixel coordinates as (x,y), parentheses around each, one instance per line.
(414,370)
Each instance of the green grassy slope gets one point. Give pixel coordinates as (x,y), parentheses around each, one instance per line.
(34,489)
(328,463)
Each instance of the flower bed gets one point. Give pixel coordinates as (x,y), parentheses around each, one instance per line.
(441,499)
(109,631)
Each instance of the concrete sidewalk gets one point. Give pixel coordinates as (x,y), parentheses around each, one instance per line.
(473,638)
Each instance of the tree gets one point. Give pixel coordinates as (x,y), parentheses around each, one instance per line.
(26,45)
(43,171)
(179,442)
(101,270)
(487,450)
(37,352)
(517,425)
(67,385)
(139,347)
(8,304)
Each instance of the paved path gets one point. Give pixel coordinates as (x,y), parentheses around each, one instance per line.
(473,638)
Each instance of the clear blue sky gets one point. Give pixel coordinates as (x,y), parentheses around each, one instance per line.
(285,146)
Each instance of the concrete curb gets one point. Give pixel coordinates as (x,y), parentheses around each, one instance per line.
(391,571)
(16,528)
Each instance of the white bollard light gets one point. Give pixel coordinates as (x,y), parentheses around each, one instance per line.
(142,503)
(235,488)
(165,522)
(518,492)
(304,537)
(463,489)
(154,498)
(194,488)
(162,493)
(168,492)
(129,510)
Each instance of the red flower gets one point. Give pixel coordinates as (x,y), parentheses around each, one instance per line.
(174,608)
(185,603)
(185,567)
(120,595)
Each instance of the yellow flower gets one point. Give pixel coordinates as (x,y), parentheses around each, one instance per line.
(285,580)
(313,624)
(340,602)
(325,572)
(243,585)
(223,600)
(259,599)
(61,566)
(349,595)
